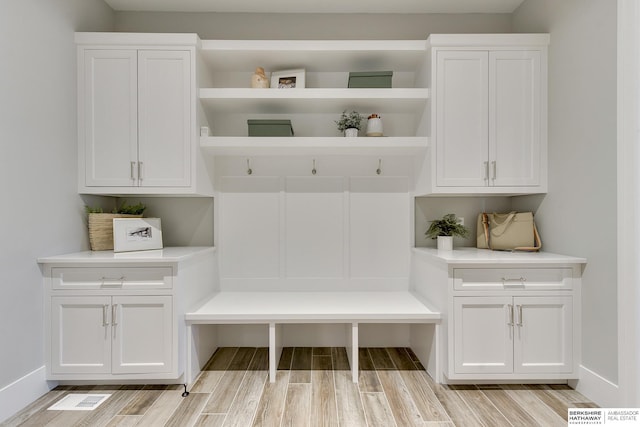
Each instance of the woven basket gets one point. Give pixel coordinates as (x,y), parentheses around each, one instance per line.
(101,230)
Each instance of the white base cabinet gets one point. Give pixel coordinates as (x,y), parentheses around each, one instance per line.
(112,335)
(112,318)
(505,335)
(506,316)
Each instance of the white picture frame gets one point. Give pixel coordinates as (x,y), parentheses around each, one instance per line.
(288,79)
(136,234)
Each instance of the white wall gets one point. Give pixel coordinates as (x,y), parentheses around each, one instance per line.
(578,215)
(311,26)
(42,213)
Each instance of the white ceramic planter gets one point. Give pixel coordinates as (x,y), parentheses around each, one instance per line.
(351,132)
(445,243)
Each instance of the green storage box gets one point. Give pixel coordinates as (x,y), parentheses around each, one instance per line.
(369,79)
(270,128)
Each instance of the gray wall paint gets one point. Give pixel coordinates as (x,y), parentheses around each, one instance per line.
(42,213)
(578,215)
(242,26)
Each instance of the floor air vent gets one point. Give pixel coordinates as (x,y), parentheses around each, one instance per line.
(79,402)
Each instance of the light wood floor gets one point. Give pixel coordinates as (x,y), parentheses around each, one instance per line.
(313,388)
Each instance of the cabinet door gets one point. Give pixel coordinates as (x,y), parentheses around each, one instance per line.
(462,118)
(109,112)
(80,335)
(142,334)
(514,118)
(483,335)
(165,129)
(544,331)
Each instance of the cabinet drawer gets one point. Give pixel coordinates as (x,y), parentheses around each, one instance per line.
(478,279)
(112,278)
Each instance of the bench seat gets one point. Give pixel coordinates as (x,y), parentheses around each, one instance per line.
(277,308)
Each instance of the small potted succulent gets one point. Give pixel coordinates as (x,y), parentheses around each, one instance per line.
(350,123)
(444,229)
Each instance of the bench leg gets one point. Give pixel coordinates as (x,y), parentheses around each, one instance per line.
(352,349)
(275,349)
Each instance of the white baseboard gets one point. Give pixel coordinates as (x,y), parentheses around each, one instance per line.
(597,389)
(20,393)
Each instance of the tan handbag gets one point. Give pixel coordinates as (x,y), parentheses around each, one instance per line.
(513,231)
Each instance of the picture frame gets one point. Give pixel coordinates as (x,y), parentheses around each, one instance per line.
(288,79)
(136,234)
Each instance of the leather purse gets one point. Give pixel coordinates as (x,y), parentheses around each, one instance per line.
(513,231)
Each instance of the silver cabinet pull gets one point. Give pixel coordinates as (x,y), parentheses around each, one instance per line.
(519,306)
(105,321)
(111,282)
(509,281)
(486,171)
(510,307)
(114,314)
(133,167)
(140,171)
(493,166)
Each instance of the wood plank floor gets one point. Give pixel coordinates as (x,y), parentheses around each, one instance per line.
(313,388)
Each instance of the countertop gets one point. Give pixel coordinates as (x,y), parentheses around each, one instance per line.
(165,255)
(486,256)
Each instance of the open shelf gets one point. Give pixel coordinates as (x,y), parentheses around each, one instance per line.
(316,55)
(289,101)
(273,146)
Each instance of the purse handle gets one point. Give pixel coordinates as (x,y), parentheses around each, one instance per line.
(499,229)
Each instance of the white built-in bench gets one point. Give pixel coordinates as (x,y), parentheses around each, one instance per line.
(351,308)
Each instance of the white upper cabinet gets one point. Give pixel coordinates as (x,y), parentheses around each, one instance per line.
(489,114)
(137,121)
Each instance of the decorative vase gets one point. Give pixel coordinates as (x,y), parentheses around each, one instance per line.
(445,243)
(259,79)
(351,132)
(374,125)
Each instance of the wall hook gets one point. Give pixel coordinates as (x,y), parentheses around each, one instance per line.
(249,171)
(379,170)
(314,170)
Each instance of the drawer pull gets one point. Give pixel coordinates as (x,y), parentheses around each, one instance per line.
(110,282)
(510,282)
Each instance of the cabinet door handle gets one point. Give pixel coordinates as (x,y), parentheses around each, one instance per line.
(105,321)
(519,306)
(133,169)
(114,314)
(510,308)
(140,171)
(486,171)
(493,166)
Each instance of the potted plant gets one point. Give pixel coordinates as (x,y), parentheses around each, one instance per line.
(101,224)
(350,123)
(444,229)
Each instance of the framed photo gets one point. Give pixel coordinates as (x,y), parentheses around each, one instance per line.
(136,234)
(288,79)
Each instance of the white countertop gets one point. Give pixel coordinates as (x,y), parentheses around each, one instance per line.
(486,256)
(169,254)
